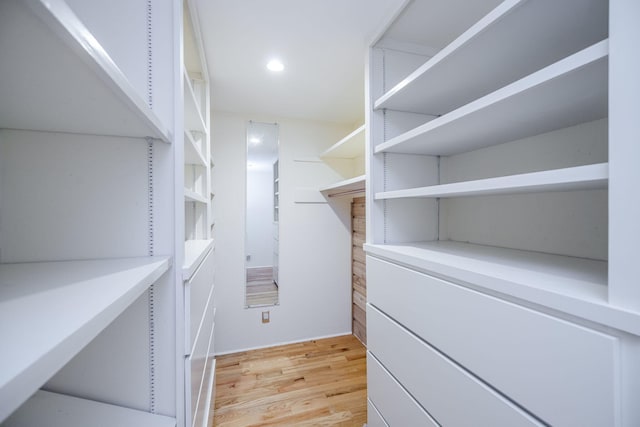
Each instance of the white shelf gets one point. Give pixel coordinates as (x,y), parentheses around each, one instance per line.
(58,410)
(194,252)
(518,32)
(571,91)
(349,147)
(347,187)
(50,310)
(192,196)
(193,120)
(576,286)
(192,154)
(575,178)
(57,77)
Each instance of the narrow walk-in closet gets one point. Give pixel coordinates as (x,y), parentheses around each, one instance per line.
(363,213)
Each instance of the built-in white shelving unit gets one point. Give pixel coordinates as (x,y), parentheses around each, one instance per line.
(349,149)
(197,267)
(80,282)
(490,170)
(86,259)
(197,140)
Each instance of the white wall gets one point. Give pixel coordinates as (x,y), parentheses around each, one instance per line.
(315,280)
(260,218)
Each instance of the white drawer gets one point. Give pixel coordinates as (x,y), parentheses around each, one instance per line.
(448,393)
(205,400)
(374,419)
(196,296)
(392,401)
(199,365)
(563,373)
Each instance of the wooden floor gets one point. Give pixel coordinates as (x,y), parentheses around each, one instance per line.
(261,290)
(316,383)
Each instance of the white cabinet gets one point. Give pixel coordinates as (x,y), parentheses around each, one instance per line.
(198,270)
(492,135)
(197,152)
(85,270)
(95,141)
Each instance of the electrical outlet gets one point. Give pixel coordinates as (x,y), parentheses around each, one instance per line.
(265,317)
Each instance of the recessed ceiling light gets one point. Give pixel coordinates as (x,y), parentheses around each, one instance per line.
(275,65)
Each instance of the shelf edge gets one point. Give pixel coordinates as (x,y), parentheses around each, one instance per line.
(574,178)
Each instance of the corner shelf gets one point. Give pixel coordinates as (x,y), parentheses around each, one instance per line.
(59,410)
(57,311)
(347,187)
(350,147)
(65,67)
(571,91)
(194,252)
(466,68)
(576,286)
(587,177)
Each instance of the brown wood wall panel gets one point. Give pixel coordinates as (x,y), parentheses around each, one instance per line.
(360,331)
(359,315)
(358,268)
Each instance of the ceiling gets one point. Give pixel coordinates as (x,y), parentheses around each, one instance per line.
(322,44)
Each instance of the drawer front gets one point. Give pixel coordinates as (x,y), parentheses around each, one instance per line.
(374,419)
(392,401)
(563,373)
(200,365)
(197,291)
(449,394)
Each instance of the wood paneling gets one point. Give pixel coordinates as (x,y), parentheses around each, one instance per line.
(358,268)
(320,382)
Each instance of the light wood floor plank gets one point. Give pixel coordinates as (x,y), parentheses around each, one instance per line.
(315,383)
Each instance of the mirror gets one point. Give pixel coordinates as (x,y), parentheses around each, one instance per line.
(261,230)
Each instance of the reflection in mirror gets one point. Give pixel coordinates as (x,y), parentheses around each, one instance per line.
(261,233)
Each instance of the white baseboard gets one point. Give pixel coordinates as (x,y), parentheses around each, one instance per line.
(285,343)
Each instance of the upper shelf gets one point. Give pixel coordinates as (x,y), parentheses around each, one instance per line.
(192,196)
(349,147)
(59,78)
(58,410)
(518,32)
(192,152)
(575,178)
(193,120)
(49,312)
(346,187)
(571,91)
